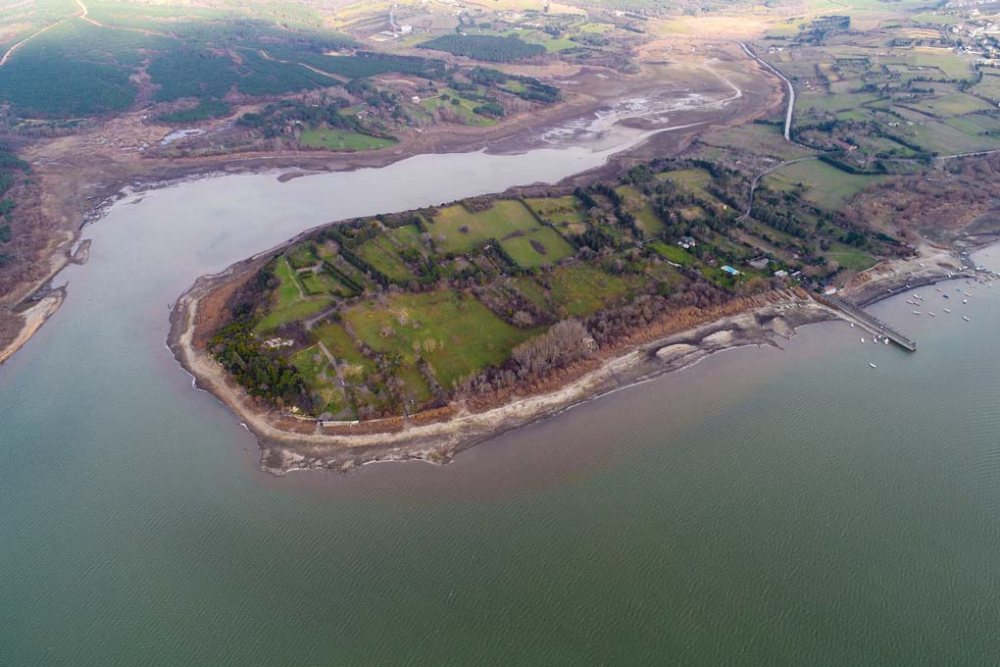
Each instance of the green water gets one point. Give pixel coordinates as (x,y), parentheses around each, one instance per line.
(764,507)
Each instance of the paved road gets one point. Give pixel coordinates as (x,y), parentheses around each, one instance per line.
(788,85)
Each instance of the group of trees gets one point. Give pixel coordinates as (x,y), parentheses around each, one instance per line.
(268,376)
(488,48)
(11,167)
(535,360)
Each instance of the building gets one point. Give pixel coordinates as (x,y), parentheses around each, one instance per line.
(687,242)
(730,270)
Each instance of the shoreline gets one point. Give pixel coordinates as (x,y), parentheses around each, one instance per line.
(763,322)
(287,443)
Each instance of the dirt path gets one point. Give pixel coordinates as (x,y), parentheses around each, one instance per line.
(84,15)
(10,51)
(335,77)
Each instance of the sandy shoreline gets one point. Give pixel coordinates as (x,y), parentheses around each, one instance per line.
(290,444)
(34,318)
(438,441)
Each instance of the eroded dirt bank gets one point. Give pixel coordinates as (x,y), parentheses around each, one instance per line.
(290,443)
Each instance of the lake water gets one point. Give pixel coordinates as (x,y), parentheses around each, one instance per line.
(763,507)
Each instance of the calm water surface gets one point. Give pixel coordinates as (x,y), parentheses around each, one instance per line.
(764,507)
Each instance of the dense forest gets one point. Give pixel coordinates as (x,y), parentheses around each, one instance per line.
(11,168)
(488,48)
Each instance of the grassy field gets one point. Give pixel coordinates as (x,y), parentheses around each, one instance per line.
(825,185)
(821,101)
(318,374)
(344,350)
(674,253)
(463,230)
(289,303)
(382,254)
(940,138)
(538,247)
(407,236)
(454,332)
(578,290)
(989,87)
(640,207)
(936,19)
(565,213)
(850,258)
(693,180)
(464,109)
(315,284)
(340,140)
(976,124)
(955,104)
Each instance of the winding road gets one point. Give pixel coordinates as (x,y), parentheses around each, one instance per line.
(788,85)
(788,138)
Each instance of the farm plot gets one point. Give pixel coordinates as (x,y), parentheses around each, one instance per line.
(457,230)
(455,333)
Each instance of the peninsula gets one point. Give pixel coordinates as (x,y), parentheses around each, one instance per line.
(776,156)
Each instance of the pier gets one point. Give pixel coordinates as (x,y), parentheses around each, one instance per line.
(868,321)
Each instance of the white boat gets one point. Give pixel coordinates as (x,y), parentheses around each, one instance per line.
(886,341)
(931,314)
(965,301)
(965,318)
(916,312)
(872,365)
(946,310)
(862,340)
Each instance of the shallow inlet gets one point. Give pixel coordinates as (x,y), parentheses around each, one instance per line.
(761,507)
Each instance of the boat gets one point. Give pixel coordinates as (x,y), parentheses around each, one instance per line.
(946,310)
(916,312)
(931,314)
(965,301)
(946,296)
(872,365)
(965,318)
(862,340)
(885,340)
